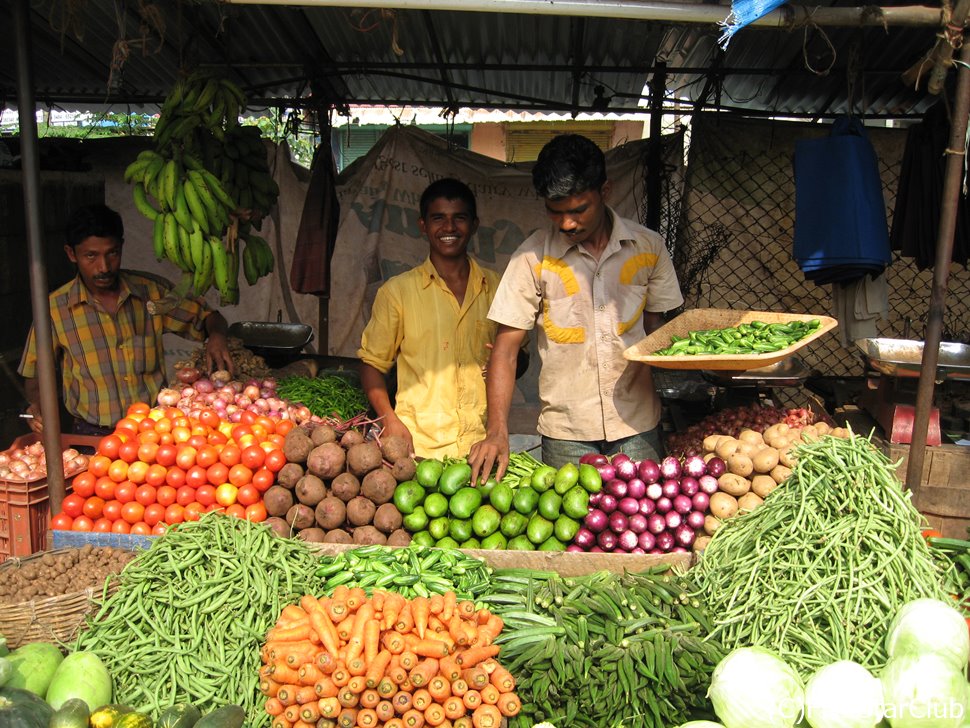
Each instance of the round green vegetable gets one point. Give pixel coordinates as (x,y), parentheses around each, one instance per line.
(465,502)
(455,476)
(550,504)
(753,688)
(23,709)
(427,473)
(460,529)
(435,505)
(408,496)
(34,665)
(81,675)
(486,520)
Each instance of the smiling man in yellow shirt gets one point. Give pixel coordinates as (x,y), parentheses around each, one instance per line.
(432,321)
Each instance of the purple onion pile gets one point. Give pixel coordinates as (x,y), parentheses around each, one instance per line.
(648,507)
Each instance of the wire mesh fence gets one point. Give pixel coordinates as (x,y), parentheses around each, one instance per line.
(734,241)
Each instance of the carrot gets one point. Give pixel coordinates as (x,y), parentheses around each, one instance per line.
(394,723)
(402,702)
(326,662)
(396,671)
(376,668)
(393,641)
(274,707)
(356,666)
(406,684)
(325,688)
(509,704)
(436,603)
(309,674)
(450,604)
(347,718)
(421,673)
(304,724)
(310,712)
(413,719)
(421,699)
(474,655)
(434,714)
(323,626)
(369,698)
(357,684)
(356,597)
(464,722)
(472,699)
(486,716)
(348,698)
(340,592)
(468,633)
(459,687)
(355,642)
(408,659)
(337,610)
(392,608)
(467,609)
(377,598)
(386,687)
(420,610)
(292,712)
(287,694)
(405,619)
(296,653)
(454,708)
(435,624)
(367,718)
(340,676)
(281,722)
(283,673)
(476,677)
(384,710)
(306,694)
(290,613)
(439,688)
(269,687)
(329,707)
(430,648)
(454,629)
(502,680)
(481,616)
(490,630)
(490,694)
(448,667)
(299,631)
(489,665)
(372,640)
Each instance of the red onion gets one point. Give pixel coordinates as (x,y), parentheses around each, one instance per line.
(655,551)
(647,540)
(673,519)
(268,383)
(628,506)
(594,498)
(647,506)
(596,520)
(573,548)
(627,540)
(619,457)
(618,522)
(708,484)
(606,471)
(593,458)
(655,490)
(584,538)
(243,401)
(265,393)
(595,549)
(664,504)
(679,550)
(637,550)
(606,540)
(716,467)
(607,503)
(168,397)
(665,541)
(695,519)
(187,375)
(671,487)
(670,467)
(204,385)
(625,469)
(695,466)
(648,471)
(683,504)
(616,488)
(701,501)
(636,488)
(638,523)
(689,485)
(684,535)
(656,523)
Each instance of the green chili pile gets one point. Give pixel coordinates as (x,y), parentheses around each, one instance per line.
(817,572)
(604,650)
(190,614)
(756,337)
(411,572)
(327,396)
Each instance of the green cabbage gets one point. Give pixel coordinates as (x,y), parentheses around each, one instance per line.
(924,691)
(843,695)
(754,688)
(929,626)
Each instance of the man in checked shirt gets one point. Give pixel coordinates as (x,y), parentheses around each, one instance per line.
(106,344)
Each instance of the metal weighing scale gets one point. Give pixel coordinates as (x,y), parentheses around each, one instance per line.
(758,384)
(890,397)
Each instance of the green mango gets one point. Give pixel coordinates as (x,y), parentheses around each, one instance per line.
(471,543)
(520,543)
(549,505)
(460,529)
(566,529)
(465,502)
(525,501)
(495,542)
(543,478)
(439,528)
(589,478)
(455,477)
(566,477)
(447,543)
(435,505)
(539,529)
(552,544)
(422,538)
(513,524)
(486,520)
(575,503)
(427,473)
(500,498)
(408,496)
(416,520)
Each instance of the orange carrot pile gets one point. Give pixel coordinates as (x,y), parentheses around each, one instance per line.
(385,661)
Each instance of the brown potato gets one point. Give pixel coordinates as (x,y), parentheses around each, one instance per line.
(764,460)
(726,448)
(400,537)
(394,448)
(762,485)
(297,445)
(701,542)
(321,434)
(300,517)
(711,524)
(289,474)
(278,500)
(404,469)
(345,486)
(360,511)
(351,438)
(387,518)
(327,460)
(780,474)
(733,484)
(312,535)
(363,458)
(279,526)
(378,486)
(748,449)
(310,490)
(338,535)
(369,535)
(740,465)
(752,436)
(723,506)
(748,502)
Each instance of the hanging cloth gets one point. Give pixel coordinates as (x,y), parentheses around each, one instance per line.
(744,12)
(310,271)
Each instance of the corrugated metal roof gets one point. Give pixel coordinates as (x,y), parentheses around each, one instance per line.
(474,60)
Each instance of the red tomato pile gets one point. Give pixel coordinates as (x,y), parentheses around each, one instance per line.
(160,467)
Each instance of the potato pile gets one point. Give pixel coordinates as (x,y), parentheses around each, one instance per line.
(755,464)
(62,572)
(339,491)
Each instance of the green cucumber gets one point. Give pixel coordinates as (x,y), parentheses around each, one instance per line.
(228,716)
(73,713)
(180,715)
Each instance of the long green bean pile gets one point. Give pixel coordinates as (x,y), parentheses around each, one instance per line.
(819,570)
(604,650)
(190,614)
(328,396)
(411,572)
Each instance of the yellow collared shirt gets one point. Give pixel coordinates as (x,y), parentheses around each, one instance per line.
(440,350)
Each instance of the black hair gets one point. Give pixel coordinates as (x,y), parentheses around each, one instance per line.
(569,164)
(449,189)
(94,220)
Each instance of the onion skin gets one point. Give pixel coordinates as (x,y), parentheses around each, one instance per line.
(664,504)
(607,503)
(648,471)
(636,488)
(656,524)
(606,540)
(187,375)
(666,541)
(625,469)
(670,468)
(671,488)
(638,523)
(584,539)
(647,506)
(655,491)
(618,522)
(627,540)
(647,541)
(617,488)
(695,466)
(595,522)
(716,467)
(628,506)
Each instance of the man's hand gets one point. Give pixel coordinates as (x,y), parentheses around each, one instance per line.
(394,426)
(217,354)
(483,455)
(36,422)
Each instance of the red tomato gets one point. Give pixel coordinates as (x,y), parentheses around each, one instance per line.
(226,494)
(146,494)
(266,423)
(125,492)
(62,522)
(253,456)
(154,513)
(186,457)
(217,474)
(239,430)
(120,526)
(73,505)
(247,495)
(217,439)
(93,507)
(83,484)
(236,511)
(206,494)
(185,495)
(138,408)
(275,460)
(247,417)
(165,455)
(149,437)
(132,512)
(283,427)
(240,475)
(147,452)
(137,472)
(141,528)
(193,511)
(146,425)
(102,525)
(174,514)
(109,446)
(196,476)
(129,451)
(98,465)
(118,470)
(156,475)
(82,523)
(931,533)
(263,479)
(256,512)
(127,426)
(175,477)
(159,528)
(112,509)
(104,487)
(166,495)
(229,455)
(207,456)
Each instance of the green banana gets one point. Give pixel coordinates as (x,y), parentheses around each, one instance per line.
(213,209)
(220,266)
(152,176)
(206,95)
(215,187)
(181,209)
(234,90)
(174,98)
(171,241)
(196,245)
(169,182)
(202,279)
(250,263)
(196,208)
(135,169)
(142,203)
(185,126)
(185,248)
(215,116)
(158,237)
(192,162)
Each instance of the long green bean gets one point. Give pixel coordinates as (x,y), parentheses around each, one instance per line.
(819,570)
(328,396)
(190,614)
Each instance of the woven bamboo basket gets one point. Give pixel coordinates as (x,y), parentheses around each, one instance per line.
(702,319)
(52,619)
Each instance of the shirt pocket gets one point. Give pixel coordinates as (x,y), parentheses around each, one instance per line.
(630,306)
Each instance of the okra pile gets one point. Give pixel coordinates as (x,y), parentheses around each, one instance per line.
(756,337)
(604,649)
